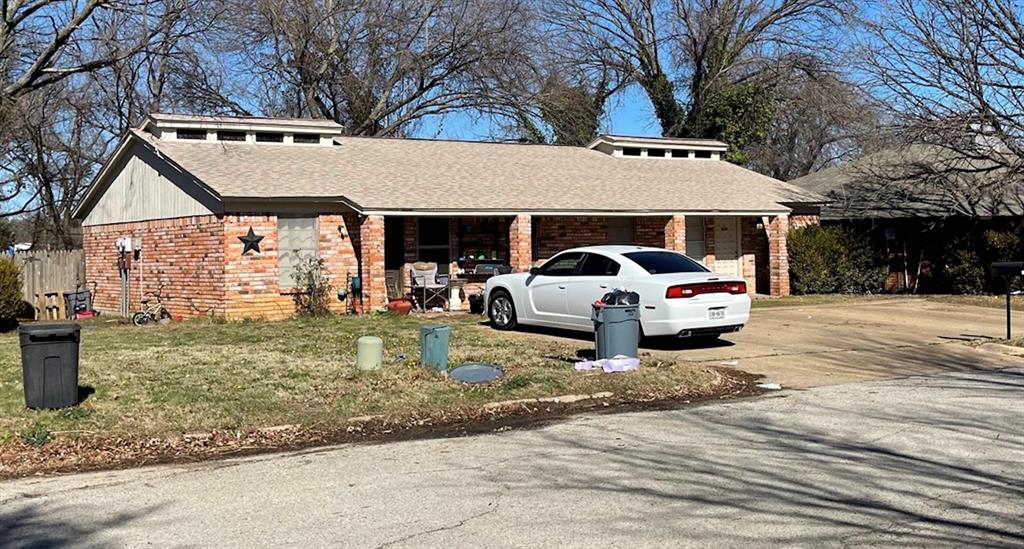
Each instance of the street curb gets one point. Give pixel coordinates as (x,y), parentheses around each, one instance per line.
(1002,348)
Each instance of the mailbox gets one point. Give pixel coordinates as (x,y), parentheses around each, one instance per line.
(1008,268)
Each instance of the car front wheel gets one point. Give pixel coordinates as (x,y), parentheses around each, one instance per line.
(502,311)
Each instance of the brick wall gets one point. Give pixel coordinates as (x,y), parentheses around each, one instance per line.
(250,280)
(338,250)
(798,221)
(675,234)
(554,234)
(185,254)
(252,288)
(520,242)
(371,257)
(778,256)
(650,230)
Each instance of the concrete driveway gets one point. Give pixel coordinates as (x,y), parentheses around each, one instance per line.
(808,346)
(924,461)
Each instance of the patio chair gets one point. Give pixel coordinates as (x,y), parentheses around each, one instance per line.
(428,284)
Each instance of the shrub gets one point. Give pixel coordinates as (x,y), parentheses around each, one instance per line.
(828,260)
(314,288)
(10,291)
(963,267)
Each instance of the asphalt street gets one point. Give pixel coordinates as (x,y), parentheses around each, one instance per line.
(933,460)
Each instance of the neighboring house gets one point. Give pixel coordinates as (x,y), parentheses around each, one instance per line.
(915,202)
(186,188)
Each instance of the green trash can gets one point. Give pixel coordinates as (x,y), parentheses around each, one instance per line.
(434,347)
(49,364)
(616,330)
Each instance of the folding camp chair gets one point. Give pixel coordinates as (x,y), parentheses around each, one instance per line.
(428,284)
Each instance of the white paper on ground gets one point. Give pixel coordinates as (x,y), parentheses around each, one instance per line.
(609,365)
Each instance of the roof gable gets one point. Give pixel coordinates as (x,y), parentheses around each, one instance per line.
(137,184)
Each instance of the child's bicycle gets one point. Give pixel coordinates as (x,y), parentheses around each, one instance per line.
(152,312)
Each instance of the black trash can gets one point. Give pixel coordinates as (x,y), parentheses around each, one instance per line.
(49,364)
(76,302)
(476,304)
(616,330)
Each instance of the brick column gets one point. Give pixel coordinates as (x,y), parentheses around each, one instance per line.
(520,243)
(778,256)
(675,234)
(371,248)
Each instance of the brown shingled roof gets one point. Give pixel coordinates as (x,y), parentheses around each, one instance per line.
(916,181)
(381,174)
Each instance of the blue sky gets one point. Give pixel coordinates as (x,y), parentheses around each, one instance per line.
(627,113)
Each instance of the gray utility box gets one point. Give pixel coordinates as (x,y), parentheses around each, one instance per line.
(616,330)
(434,347)
(49,364)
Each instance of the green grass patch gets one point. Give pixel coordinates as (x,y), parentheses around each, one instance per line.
(848,299)
(198,376)
(818,299)
(991,301)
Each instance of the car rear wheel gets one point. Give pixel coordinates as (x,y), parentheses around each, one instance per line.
(502,311)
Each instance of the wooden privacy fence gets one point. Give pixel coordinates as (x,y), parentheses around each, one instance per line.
(46,275)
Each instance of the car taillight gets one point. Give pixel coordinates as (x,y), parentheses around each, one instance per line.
(692,290)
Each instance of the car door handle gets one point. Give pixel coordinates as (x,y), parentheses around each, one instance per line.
(561,286)
(602,286)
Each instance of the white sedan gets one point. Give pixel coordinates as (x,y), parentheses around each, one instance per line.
(678,296)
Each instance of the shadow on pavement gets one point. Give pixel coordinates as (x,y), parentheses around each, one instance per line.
(34,526)
(898,474)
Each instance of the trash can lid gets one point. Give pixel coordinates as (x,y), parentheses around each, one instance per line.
(50,328)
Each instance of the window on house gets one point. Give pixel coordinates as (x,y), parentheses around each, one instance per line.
(656,153)
(297,239)
(195,135)
(630,151)
(306,138)
(269,137)
(695,237)
(680,154)
(227,135)
(703,154)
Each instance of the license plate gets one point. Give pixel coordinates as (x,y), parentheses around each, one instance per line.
(716,314)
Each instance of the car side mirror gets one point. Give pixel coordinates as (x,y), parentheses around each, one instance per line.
(534,271)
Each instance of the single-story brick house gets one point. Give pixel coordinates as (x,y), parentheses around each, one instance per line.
(186,188)
(915,204)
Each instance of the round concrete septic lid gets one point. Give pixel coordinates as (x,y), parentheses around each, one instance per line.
(475,372)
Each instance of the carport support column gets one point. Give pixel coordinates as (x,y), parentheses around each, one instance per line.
(778,256)
(520,243)
(371,253)
(675,234)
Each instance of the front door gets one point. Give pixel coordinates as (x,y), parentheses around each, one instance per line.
(727,246)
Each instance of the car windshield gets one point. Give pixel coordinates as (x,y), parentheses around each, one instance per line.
(664,262)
